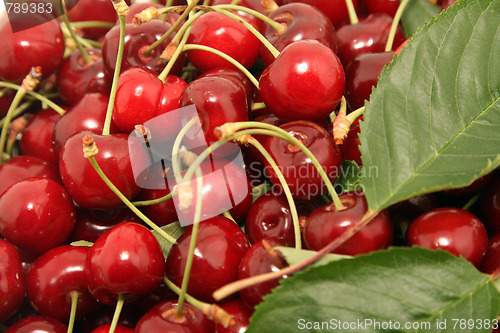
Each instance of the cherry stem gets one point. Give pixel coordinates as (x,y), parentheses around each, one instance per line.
(74,302)
(242,68)
(472,201)
(258,106)
(73,35)
(8,118)
(116,75)
(129,204)
(394,25)
(176,158)
(228,215)
(116,314)
(154,201)
(286,189)
(236,286)
(193,301)
(36,95)
(235,2)
(353,17)
(92,24)
(278,27)
(355,114)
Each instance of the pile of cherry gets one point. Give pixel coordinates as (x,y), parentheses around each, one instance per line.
(52,196)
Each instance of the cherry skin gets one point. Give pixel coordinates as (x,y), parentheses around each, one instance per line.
(298,170)
(38,324)
(90,10)
(54,276)
(37,136)
(490,205)
(219,248)
(23,167)
(84,184)
(36,209)
(119,329)
(302,22)
(162,318)
(388,7)
(226,35)
(236,76)
(125,260)
(326,224)
(350,147)
(306,82)
(241,315)
(336,10)
(491,260)
(452,229)
(12,288)
(76,77)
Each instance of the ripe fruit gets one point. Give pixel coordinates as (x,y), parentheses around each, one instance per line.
(38,324)
(11,281)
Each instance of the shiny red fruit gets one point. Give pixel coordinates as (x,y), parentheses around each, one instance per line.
(93,10)
(12,288)
(241,316)
(336,10)
(37,324)
(491,260)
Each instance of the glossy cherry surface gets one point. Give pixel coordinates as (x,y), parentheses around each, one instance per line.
(12,287)
(452,229)
(241,316)
(42,324)
(298,170)
(306,82)
(491,260)
(388,7)
(326,224)
(93,10)
(36,209)
(219,248)
(125,260)
(119,329)
(54,276)
(236,76)
(336,10)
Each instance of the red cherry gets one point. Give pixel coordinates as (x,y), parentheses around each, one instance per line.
(118,329)
(236,76)
(388,7)
(38,324)
(305,82)
(326,224)
(125,260)
(241,315)
(350,147)
(11,281)
(298,170)
(36,209)
(219,248)
(336,10)
(93,10)
(491,259)
(54,276)
(452,229)
(224,34)
(490,205)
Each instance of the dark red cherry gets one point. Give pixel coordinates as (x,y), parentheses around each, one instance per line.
(490,205)
(125,260)
(361,76)
(236,76)
(368,36)
(119,329)
(23,167)
(11,281)
(37,324)
(162,318)
(54,276)
(90,10)
(260,259)
(350,147)
(84,184)
(302,22)
(137,39)
(37,136)
(300,174)
(219,248)
(336,10)
(326,224)
(226,35)
(241,316)
(5,101)
(491,259)
(36,209)
(388,7)
(42,45)
(142,96)
(452,229)
(305,82)
(76,77)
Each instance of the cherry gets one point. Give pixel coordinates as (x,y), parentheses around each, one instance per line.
(368,36)
(5,101)
(361,76)
(42,45)
(129,316)
(298,170)
(350,147)
(36,208)
(491,260)
(219,248)
(241,315)
(76,77)
(226,35)
(137,39)
(490,205)
(306,82)
(118,329)
(452,229)
(54,276)
(90,10)
(336,10)
(236,76)
(252,4)
(302,22)
(162,318)
(38,324)
(142,96)
(11,281)
(37,136)
(260,259)
(125,260)
(84,184)
(138,7)
(326,224)
(388,7)
(23,167)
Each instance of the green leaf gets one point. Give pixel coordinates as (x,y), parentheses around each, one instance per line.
(173,229)
(416,14)
(433,122)
(350,177)
(402,286)
(294,256)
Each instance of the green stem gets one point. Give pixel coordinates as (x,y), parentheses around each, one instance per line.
(116,75)
(154,201)
(472,201)
(8,118)
(278,27)
(176,158)
(74,302)
(36,95)
(235,2)
(228,215)
(169,3)
(118,311)
(92,24)
(258,106)
(18,111)
(355,114)
(193,301)
(342,110)
(127,202)
(394,25)
(353,17)
(72,33)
